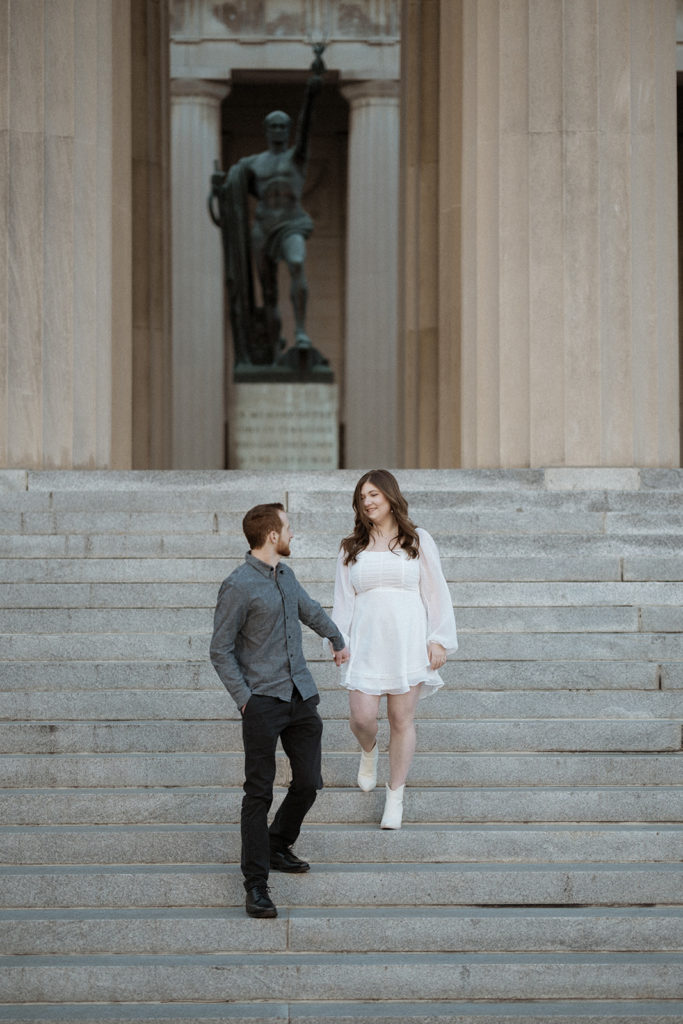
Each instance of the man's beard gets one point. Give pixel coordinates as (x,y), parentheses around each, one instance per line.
(283,548)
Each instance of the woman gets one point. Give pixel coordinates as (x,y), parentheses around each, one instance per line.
(392,604)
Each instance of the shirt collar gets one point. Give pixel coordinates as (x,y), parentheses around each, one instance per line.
(260,566)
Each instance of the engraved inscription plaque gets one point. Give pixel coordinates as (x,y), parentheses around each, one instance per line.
(285,426)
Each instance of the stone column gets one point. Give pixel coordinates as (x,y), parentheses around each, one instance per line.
(151,236)
(429,251)
(371,408)
(556,174)
(198,304)
(577,250)
(65,234)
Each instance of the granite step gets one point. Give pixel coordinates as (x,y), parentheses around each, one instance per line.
(542,1011)
(155,545)
(655,647)
(231,497)
(551,478)
(339,770)
(332,885)
(302,976)
(147,805)
(617,567)
(504,619)
(198,674)
(476,804)
(466,595)
(458,568)
(44,932)
(514,520)
(324,844)
(186,705)
(510,619)
(62,736)
(333,525)
(549,647)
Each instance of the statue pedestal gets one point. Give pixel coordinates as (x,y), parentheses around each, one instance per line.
(285,426)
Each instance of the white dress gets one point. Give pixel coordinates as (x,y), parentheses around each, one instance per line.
(389,608)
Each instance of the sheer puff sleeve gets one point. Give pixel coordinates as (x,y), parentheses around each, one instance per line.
(344,599)
(436,596)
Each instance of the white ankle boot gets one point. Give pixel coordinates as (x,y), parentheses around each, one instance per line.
(393,808)
(367,770)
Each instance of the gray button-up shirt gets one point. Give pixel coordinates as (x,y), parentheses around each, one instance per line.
(256,645)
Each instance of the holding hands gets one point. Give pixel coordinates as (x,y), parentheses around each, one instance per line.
(340,656)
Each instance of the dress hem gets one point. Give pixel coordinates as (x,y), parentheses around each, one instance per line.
(429,687)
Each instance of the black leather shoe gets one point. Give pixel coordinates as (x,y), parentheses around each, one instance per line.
(259,903)
(285,860)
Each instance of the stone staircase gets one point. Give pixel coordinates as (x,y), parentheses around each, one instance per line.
(538,877)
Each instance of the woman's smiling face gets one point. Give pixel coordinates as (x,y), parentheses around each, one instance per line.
(375,504)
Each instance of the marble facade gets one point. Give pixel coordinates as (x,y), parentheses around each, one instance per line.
(539,323)
(506,293)
(84,296)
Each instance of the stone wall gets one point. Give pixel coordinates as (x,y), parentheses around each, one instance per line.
(71,162)
(539,264)
(534,316)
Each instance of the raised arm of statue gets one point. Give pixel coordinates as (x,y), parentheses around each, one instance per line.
(303,128)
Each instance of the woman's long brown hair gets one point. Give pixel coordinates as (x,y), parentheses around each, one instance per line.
(357,541)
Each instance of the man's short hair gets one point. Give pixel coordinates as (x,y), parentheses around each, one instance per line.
(260,520)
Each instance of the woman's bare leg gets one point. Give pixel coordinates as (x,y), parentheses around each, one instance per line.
(364,708)
(401,713)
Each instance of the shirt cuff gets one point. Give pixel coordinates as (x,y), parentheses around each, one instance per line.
(242,699)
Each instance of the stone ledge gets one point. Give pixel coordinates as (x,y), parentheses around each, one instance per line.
(543,1011)
(592,479)
(600,478)
(13,480)
(304,977)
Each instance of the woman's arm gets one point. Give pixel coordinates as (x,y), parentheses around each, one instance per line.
(344,599)
(436,596)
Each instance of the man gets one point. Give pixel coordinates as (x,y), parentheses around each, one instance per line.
(257,653)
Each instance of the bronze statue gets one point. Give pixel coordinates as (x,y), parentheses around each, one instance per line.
(279,231)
